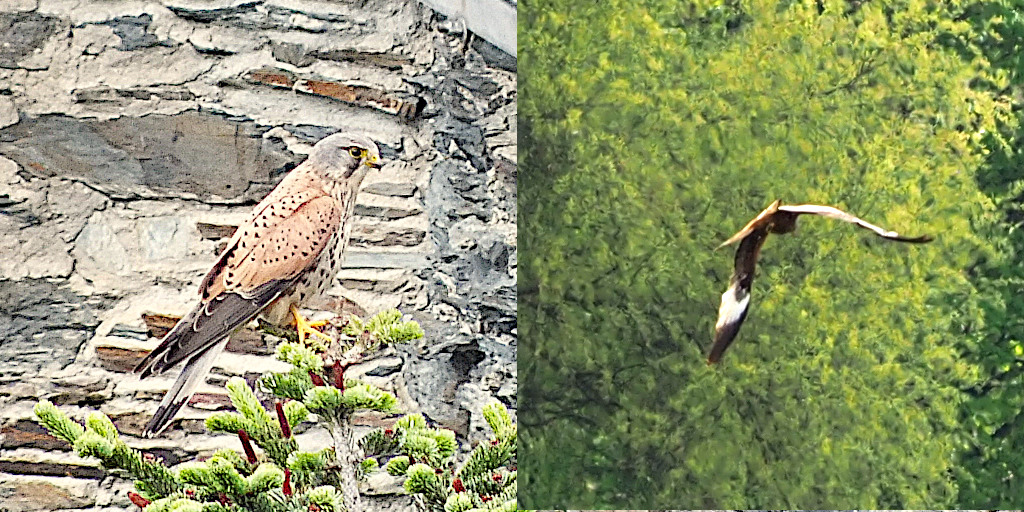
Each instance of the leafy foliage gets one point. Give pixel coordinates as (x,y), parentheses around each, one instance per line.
(386,327)
(654,129)
(100,439)
(286,478)
(486,481)
(990,465)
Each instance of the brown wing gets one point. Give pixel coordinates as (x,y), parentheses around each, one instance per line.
(835,213)
(736,299)
(759,222)
(264,262)
(294,192)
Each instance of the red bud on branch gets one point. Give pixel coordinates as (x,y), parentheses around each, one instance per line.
(339,375)
(286,429)
(247,446)
(137,499)
(287,488)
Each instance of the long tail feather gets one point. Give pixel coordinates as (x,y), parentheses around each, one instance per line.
(191,376)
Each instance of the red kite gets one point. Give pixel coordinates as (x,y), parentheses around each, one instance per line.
(774,219)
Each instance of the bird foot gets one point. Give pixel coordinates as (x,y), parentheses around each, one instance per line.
(304,328)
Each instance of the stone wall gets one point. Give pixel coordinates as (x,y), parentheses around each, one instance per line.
(134,135)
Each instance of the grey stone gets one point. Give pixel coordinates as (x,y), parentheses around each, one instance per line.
(383,59)
(33,256)
(43,325)
(409,237)
(473,281)
(292,53)
(36,229)
(355,258)
(116,250)
(8,112)
(134,32)
(98,246)
(391,503)
(206,13)
(25,496)
(494,56)
(386,212)
(23,33)
(494,20)
(467,199)
(163,238)
(19,5)
(222,41)
(391,189)
(381,483)
(82,390)
(504,185)
(464,137)
(384,366)
(154,156)
(433,382)
(104,94)
(255,15)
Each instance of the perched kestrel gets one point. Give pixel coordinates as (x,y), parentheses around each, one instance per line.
(774,219)
(286,252)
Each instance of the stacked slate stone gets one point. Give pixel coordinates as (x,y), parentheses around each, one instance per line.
(134,136)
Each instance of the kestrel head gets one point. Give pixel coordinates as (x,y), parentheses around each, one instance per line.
(346,156)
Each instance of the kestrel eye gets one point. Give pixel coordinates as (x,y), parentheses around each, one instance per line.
(355,152)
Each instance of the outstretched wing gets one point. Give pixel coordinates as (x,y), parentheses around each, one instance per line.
(758,222)
(835,213)
(736,300)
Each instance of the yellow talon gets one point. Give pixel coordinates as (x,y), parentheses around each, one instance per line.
(304,327)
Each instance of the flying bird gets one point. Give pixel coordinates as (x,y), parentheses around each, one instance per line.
(285,253)
(777,218)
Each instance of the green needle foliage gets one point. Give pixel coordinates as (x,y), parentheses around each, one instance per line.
(409,439)
(386,327)
(654,130)
(487,480)
(100,439)
(282,477)
(252,418)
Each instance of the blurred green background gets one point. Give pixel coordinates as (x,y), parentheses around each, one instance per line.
(868,374)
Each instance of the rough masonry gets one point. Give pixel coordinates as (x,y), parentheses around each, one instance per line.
(134,135)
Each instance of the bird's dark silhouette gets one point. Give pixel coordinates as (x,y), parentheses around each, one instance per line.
(779,219)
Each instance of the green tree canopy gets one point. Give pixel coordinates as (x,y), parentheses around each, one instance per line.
(656,129)
(992,460)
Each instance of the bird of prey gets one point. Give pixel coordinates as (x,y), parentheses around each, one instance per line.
(777,218)
(285,253)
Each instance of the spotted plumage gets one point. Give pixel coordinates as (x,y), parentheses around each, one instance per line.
(779,219)
(286,252)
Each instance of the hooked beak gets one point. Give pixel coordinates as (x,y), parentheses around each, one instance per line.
(374,163)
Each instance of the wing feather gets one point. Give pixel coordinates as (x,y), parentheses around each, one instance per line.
(249,276)
(207,324)
(736,299)
(758,222)
(837,214)
(273,215)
